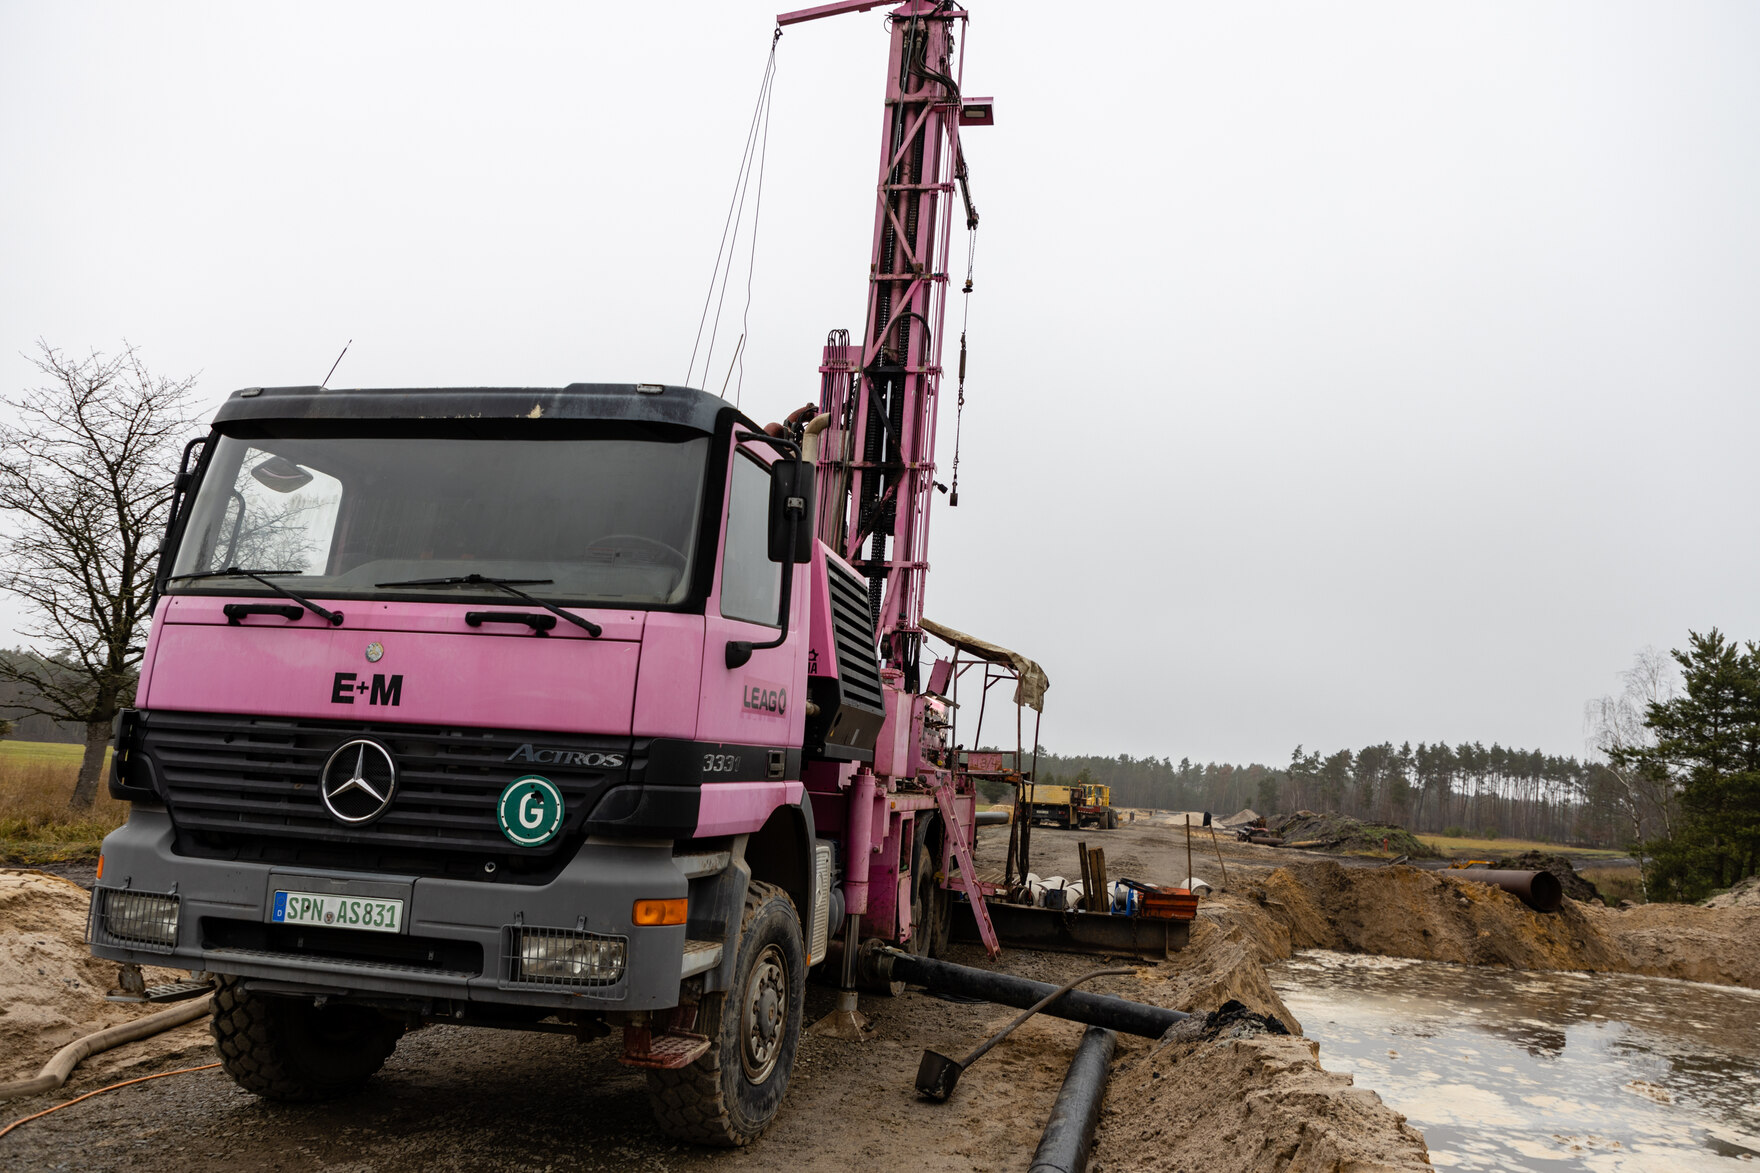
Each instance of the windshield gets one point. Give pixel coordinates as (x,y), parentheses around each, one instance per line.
(609,518)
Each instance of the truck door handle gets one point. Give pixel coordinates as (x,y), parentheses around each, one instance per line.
(237,611)
(539,622)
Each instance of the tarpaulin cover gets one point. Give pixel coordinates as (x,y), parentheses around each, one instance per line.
(1030,679)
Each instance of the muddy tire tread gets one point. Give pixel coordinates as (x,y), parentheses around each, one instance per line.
(688,1104)
(245,1040)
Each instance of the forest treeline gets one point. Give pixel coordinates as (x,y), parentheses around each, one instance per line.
(1678,784)
(1474,788)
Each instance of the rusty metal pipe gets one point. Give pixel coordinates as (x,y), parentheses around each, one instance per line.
(1540,891)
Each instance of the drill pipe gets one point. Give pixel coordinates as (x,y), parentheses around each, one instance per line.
(1064,1146)
(1540,891)
(1136,1018)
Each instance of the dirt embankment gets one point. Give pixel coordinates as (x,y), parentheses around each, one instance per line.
(51,988)
(1743,895)
(1245,1101)
(1436,916)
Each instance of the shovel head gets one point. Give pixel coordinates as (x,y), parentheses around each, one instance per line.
(937,1074)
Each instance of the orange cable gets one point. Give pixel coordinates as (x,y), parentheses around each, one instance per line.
(100,1091)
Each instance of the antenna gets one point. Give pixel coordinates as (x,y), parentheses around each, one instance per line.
(335,364)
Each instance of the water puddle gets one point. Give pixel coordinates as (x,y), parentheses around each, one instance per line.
(1504,1069)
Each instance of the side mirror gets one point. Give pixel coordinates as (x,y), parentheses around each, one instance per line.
(791,501)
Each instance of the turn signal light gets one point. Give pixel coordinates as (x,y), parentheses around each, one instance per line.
(660,912)
(100,867)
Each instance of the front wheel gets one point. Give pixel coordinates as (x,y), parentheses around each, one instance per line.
(729,1096)
(292,1050)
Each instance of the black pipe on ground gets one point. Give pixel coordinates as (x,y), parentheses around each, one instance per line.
(1135,1018)
(1064,1146)
(1540,891)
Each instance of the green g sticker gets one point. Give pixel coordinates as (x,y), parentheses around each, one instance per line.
(530,811)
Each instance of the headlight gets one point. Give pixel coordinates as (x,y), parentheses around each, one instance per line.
(145,920)
(565,957)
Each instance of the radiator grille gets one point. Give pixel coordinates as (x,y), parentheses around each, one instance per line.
(255,780)
(858,664)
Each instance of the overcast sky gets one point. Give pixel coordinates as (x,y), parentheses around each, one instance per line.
(1338,373)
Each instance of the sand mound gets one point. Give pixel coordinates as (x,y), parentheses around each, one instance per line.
(1247,1103)
(1442,916)
(1744,895)
(51,988)
(1341,833)
(1408,912)
(1223,962)
(1686,941)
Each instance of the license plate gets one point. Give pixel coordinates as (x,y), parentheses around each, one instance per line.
(338,912)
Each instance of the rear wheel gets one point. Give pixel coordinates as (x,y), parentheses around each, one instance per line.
(291,1050)
(730,1095)
(931,907)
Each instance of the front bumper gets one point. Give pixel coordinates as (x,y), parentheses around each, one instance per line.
(456,940)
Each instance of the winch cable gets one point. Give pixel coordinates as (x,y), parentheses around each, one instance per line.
(101,1091)
(757,213)
(959,411)
(735,216)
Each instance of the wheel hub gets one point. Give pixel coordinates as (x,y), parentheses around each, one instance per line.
(763,1011)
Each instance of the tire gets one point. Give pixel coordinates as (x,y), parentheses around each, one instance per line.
(289,1050)
(931,906)
(728,1097)
(1112,820)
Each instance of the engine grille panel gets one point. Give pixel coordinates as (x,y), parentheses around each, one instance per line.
(254,781)
(858,664)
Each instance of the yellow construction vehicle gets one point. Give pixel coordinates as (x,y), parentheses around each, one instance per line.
(1085,804)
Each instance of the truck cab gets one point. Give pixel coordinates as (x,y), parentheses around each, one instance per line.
(491,706)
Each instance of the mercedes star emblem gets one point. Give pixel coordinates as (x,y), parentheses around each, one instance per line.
(358,782)
(375,652)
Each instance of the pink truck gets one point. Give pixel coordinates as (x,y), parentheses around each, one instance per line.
(589,709)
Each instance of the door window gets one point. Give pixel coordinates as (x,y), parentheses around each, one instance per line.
(751,584)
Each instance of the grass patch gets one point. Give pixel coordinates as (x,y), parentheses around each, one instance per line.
(54,753)
(1615,884)
(36,827)
(1500,848)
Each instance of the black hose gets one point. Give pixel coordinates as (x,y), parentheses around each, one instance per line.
(1064,1146)
(1119,1014)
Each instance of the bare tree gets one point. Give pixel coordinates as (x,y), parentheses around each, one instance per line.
(1616,726)
(86,475)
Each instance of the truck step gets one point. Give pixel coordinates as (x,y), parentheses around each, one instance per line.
(700,957)
(662,1052)
(170,992)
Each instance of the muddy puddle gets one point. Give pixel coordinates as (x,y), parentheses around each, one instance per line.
(1506,1069)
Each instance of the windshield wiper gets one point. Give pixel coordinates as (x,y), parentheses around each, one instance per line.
(506,584)
(335,617)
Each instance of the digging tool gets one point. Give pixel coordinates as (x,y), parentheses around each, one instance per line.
(1216,844)
(937,1074)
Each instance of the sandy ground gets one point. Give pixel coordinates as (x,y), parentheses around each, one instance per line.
(456,1099)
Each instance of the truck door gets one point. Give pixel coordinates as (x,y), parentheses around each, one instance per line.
(751,716)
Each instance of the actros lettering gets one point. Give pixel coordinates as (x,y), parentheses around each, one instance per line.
(381,690)
(765,700)
(565,757)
